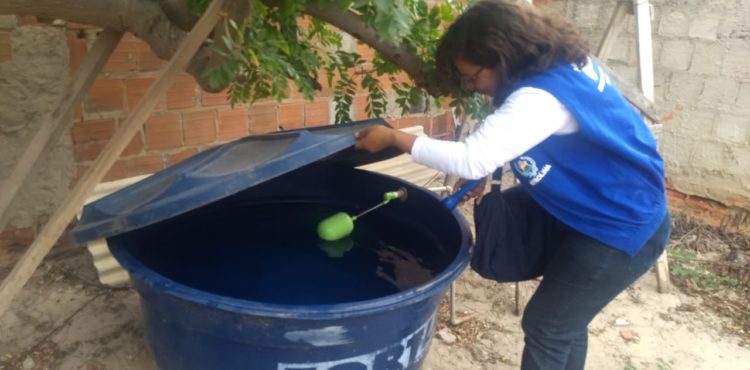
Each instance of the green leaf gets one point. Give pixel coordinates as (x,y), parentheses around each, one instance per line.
(270,47)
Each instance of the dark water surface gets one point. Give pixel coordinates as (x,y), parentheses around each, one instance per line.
(270,252)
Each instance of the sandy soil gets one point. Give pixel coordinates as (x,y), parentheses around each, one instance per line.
(64,319)
(640,329)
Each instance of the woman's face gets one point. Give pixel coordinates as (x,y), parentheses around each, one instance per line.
(475,77)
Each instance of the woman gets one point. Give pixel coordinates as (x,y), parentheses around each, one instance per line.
(590,213)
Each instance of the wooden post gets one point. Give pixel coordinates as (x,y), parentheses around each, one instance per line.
(642,10)
(59,119)
(25,267)
(644,42)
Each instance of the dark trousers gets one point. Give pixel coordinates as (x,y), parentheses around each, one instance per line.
(518,240)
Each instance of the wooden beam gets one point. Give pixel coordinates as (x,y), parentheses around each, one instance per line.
(59,120)
(616,23)
(25,267)
(632,94)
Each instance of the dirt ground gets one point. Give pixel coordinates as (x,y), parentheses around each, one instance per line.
(701,323)
(64,319)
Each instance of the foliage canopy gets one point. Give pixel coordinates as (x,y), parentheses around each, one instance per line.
(277,44)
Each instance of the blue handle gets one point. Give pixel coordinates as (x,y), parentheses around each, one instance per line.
(452,201)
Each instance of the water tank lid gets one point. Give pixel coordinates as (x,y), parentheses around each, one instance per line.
(219,172)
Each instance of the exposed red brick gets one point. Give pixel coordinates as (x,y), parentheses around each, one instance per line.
(135,89)
(4,46)
(403,77)
(360,103)
(293,93)
(146,60)
(232,124)
(411,121)
(27,20)
(135,166)
(674,194)
(88,151)
(123,57)
(182,92)
(199,127)
(13,241)
(702,203)
(105,95)
(12,234)
(291,115)
(93,131)
(163,131)
(263,118)
(209,99)
(440,125)
(78,48)
(326,90)
(180,156)
(316,113)
(364,51)
(303,22)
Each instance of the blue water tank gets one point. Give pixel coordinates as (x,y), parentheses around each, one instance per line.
(215,247)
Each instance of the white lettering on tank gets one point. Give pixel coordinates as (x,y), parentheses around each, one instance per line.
(400,355)
(328,336)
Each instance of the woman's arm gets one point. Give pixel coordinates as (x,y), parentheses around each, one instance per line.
(527,117)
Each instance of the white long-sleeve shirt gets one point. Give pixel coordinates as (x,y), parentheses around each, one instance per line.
(526,118)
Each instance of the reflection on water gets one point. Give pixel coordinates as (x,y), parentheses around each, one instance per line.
(271,253)
(406,270)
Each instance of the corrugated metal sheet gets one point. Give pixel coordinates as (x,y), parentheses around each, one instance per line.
(111,273)
(109,270)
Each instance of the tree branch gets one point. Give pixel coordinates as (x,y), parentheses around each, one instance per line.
(179,13)
(162,24)
(353,24)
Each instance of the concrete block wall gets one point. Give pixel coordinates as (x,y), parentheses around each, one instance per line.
(702,86)
(37,61)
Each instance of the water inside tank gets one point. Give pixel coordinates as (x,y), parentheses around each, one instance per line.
(270,253)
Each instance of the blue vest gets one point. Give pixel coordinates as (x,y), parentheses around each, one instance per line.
(607,179)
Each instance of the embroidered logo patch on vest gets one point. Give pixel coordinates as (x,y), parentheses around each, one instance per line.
(526,166)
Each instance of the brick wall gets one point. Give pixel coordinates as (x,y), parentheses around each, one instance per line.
(187,120)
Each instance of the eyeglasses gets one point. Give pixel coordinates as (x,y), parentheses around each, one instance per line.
(471,78)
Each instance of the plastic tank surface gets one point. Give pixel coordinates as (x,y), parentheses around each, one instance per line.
(244,282)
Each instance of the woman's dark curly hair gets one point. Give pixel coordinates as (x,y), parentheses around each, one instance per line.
(518,38)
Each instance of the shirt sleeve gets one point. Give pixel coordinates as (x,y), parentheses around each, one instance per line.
(527,117)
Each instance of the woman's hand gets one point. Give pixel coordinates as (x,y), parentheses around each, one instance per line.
(375,138)
(477,192)
(378,137)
